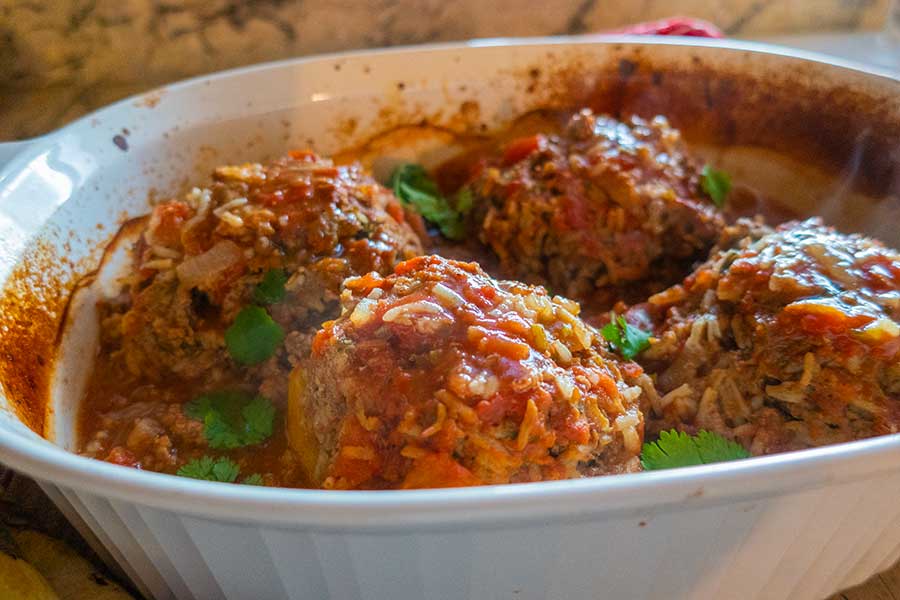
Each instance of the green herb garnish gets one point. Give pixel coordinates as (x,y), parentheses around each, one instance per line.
(627,340)
(271,289)
(678,449)
(716,184)
(465,200)
(254,336)
(253,479)
(211,469)
(414,187)
(232,419)
(220,469)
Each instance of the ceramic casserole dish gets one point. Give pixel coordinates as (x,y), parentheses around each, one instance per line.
(823,135)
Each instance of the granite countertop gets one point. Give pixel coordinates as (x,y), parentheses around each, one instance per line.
(63,58)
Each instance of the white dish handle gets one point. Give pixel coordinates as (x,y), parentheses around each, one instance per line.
(9,150)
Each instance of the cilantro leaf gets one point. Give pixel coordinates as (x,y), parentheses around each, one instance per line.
(219,432)
(210,469)
(232,419)
(413,186)
(253,479)
(259,415)
(465,200)
(225,470)
(716,184)
(678,449)
(221,469)
(672,449)
(271,289)
(200,406)
(612,334)
(254,336)
(714,448)
(627,340)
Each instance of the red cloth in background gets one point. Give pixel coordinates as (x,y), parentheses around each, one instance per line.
(674,26)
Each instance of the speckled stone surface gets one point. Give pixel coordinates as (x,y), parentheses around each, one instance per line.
(61,58)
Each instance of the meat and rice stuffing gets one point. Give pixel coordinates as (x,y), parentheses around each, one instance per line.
(788,340)
(439,375)
(281,325)
(604,205)
(201,257)
(220,279)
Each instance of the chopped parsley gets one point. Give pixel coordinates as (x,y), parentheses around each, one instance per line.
(413,186)
(627,340)
(211,469)
(220,469)
(271,289)
(254,336)
(232,419)
(678,449)
(716,184)
(465,200)
(253,479)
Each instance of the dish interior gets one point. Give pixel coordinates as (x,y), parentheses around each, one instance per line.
(336,108)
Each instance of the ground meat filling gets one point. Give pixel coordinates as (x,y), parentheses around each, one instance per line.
(439,375)
(198,263)
(790,339)
(604,205)
(201,257)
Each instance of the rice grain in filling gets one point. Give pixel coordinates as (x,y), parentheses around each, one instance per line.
(606,208)
(439,375)
(789,339)
(201,257)
(197,265)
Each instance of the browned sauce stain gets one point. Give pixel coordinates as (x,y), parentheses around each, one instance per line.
(347,127)
(207,155)
(129,230)
(399,136)
(31,305)
(462,120)
(469,113)
(725,104)
(627,68)
(151,99)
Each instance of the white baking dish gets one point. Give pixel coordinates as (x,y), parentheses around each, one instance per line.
(797,526)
